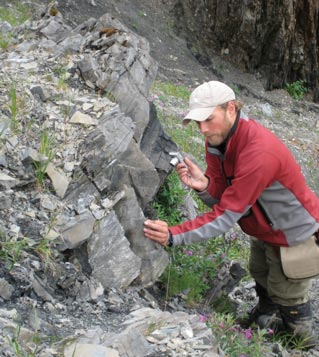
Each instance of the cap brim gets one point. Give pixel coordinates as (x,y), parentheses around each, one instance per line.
(199,114)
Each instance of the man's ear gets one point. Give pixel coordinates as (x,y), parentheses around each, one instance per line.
(231,107)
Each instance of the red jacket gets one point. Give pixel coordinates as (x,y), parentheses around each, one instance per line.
(256,183)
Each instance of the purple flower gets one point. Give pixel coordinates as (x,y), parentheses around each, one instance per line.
(188,252)
(202,318)
(248,334)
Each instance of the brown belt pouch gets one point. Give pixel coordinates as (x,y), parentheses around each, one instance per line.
(302,260)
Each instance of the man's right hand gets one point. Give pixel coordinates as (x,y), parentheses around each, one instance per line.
(192,176)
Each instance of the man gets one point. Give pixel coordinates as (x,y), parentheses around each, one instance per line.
(253,180)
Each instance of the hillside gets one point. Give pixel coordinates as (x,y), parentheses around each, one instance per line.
(77,276)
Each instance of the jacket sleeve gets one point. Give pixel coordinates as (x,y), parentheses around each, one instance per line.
(254,173)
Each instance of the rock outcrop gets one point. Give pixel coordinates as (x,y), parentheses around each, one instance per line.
(77,169)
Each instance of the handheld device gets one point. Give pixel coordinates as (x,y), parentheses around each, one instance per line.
(177,157)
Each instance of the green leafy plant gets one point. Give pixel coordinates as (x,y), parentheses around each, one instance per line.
(62,73)
(296,89)
(142,13)
(186,271)
(46,153)
(18,349)
(13,106)
(135,26)
(189,274)
(191,269)
(10,250)
(235,341)
(235,88)
(5,40)
(45,252)
(169,200)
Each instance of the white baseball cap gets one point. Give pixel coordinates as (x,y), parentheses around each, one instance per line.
(205,98)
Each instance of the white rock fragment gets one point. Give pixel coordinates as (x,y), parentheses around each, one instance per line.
(52,234)
(59,181)
(6,178)
(84,119)
(6,289)
(87,106)
(69,166)
(187,331)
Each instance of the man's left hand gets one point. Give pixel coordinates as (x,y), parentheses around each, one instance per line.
(157,231)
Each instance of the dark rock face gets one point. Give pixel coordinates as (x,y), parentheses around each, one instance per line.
(278,39)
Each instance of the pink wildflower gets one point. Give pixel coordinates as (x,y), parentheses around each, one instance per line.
(202,318)
(248,334)
(189,252)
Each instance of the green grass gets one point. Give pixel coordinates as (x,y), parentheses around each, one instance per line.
(10,250)
(62,74)
(13,106)
(16,14)
(178,91)
(15,343)
(168,98)
(5,40)
(46,153)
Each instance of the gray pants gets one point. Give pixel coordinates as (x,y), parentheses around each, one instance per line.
(265,268)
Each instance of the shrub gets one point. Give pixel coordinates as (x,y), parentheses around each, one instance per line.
(296,89)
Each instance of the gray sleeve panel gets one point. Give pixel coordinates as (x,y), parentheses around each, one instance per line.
(207,198)
(288,214)
(209,230)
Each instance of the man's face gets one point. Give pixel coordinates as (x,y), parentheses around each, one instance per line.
(216,127)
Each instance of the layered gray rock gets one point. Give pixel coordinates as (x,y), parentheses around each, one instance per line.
(112,261)
(153,260)
(117,61)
